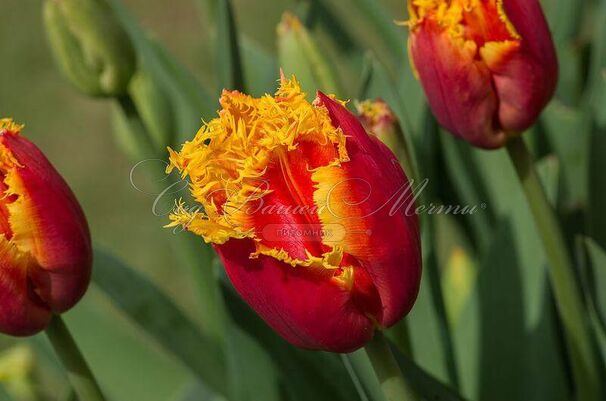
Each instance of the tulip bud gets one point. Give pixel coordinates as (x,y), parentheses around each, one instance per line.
(45,246)
(90,46)
(488,67)
(299,54)
(378,119)
(301,205)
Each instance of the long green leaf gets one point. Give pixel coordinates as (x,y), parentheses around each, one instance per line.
(597,264)
(190,100)
(425,384)
(362,373)
(220,14)
(568,132)
(510,316)
(591,259)
(156,314)
(371,26)
(596,218)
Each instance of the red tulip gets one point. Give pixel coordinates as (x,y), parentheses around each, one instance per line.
(298,201)
(45,247)
(488,67)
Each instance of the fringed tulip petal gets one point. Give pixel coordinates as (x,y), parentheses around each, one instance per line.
(42,223)
(301,241)
(488,67)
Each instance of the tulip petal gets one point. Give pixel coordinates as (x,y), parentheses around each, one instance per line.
(48,223)
(22,312)
(458,87)
(518,81)
(525,73)
(529,21)
(362,196)
(307,310)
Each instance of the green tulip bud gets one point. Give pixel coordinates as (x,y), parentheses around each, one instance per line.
(91,47)
(299,55)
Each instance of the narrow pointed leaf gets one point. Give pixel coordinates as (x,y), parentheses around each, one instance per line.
(157,315)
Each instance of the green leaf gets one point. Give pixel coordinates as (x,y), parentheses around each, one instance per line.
(568,131)
(196,391)
(227,48)
(373,28)
(128,364)
(596,91)
(131,135)
(363,375)
(189,100)
(260,69)
(458,265)
(156,314)
(510,316)
(155,108)
(469,188)
(376,83)
(596,218)
(430,335)
(253,375)
(590,258)
(565,17)
(597,265)
(426,385)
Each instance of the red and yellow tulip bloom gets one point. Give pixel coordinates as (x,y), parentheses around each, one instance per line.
(45,246)
(295,196)
(488,67)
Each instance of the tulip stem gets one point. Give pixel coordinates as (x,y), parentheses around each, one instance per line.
(562,275)
(394,385)
(78,372)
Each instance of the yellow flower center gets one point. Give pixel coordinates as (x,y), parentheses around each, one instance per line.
(478,20)
(229,156)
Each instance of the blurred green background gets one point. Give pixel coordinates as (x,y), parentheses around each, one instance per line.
(493,332)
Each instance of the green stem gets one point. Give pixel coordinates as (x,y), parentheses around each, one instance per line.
(393,384)
(78,372)
(563,280)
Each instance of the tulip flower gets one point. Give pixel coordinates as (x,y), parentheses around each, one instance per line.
(378,119)
(297,200)
(488,67)
(45,246)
